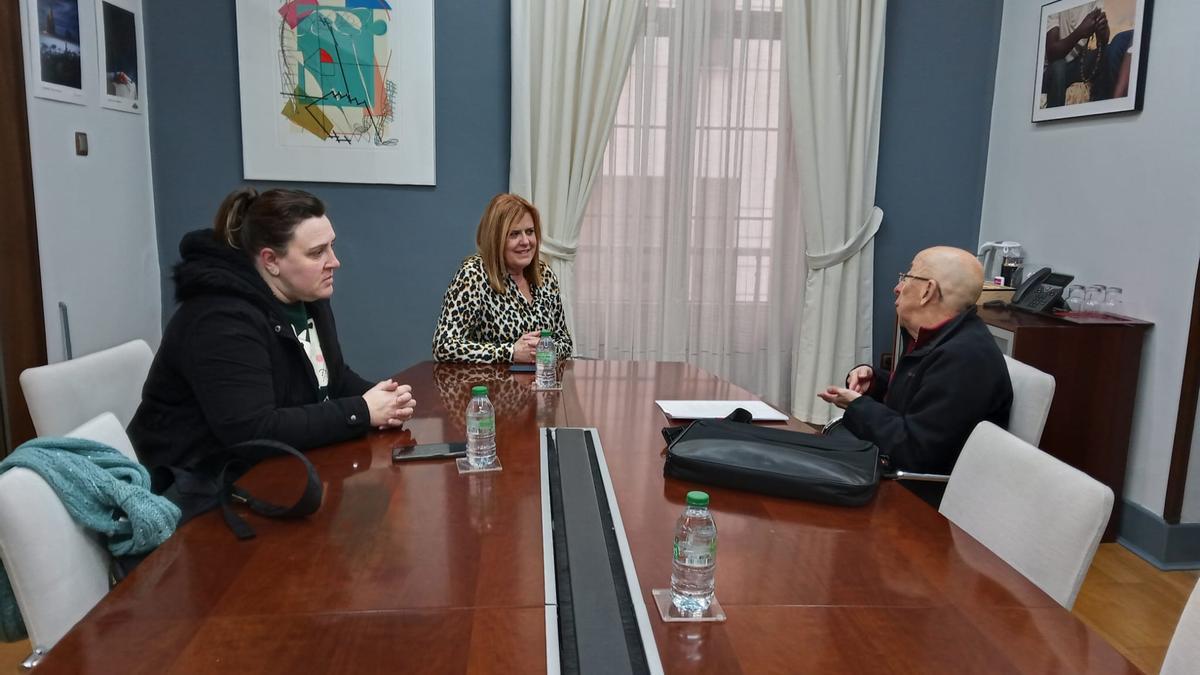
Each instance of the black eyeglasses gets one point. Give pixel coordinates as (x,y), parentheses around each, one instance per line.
(906,275)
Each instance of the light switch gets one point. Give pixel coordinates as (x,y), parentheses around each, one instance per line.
(81,146)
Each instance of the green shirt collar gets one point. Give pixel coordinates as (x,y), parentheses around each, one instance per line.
(297,315)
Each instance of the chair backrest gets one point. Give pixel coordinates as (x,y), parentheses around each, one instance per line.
(1040,515)
(107,429)
(1033,392)
(1184,652)
(58,570)
(61,396)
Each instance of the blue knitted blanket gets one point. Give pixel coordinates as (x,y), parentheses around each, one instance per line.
(98,486)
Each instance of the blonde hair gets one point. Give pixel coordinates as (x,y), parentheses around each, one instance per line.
(503,213)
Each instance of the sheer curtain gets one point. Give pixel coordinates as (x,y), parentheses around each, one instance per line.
(569,58)
(834,53)
(692,247)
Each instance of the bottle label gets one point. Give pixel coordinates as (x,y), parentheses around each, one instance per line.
(545,356)
(695,556)
(487,424)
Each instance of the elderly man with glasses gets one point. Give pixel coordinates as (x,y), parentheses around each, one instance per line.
(949,376)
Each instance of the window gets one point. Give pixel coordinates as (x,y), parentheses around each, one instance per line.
(691,158)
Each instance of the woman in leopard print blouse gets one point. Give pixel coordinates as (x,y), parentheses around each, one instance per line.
(504,295)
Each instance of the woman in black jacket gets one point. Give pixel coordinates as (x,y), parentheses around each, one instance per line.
(252,352)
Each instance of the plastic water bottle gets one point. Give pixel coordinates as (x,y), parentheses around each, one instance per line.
(481,429)
(547,376)
(693,571)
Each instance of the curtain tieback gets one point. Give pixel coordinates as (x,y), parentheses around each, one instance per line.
(852,246)
(557,250)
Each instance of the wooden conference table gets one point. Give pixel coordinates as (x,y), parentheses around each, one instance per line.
(414,568)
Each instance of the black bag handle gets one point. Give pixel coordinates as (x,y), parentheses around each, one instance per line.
(738,415)
(246,454)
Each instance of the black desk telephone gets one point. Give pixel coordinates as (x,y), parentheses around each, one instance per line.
(1041,292)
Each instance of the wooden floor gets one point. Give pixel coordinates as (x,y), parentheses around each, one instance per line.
(1124,598)
(12,654)
(1132,604)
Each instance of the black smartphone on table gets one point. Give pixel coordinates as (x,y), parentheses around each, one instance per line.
(402,453)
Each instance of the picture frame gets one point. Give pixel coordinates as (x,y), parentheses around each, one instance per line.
(337,91)
(1091,58)
(58,54)
(119,53)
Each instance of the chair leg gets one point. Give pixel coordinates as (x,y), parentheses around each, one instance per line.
(33,659)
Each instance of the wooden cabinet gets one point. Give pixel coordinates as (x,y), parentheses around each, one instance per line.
(1095,365)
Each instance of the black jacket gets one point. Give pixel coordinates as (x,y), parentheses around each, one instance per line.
(230,369)
(922,416)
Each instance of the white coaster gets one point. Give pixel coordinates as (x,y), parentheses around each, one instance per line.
(669,613)
(464,466)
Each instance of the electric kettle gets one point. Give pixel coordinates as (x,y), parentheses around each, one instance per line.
(1006,265)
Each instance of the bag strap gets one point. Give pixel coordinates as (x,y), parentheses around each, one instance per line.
(671,434)
(248,453)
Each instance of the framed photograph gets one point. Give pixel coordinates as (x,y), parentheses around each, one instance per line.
(118,25)
(56,56)
(1091,58)
(337,90)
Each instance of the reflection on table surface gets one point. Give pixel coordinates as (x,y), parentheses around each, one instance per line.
(412,566)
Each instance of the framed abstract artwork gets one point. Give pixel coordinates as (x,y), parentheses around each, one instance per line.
(1091,58)
(337,90)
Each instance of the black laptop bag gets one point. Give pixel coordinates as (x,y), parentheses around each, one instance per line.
(838,469)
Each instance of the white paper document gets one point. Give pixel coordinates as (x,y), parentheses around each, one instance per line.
(694,410)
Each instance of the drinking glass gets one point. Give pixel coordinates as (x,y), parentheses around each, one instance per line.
(1112,300)
(1093,299)
(1074,296)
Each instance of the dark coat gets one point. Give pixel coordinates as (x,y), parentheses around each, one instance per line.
(231,369)
(921,417)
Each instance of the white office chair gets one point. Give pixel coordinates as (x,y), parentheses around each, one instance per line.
(1037,513)
(61,396)
(58,570)
(1184,652)
(1033,392)
(107,429)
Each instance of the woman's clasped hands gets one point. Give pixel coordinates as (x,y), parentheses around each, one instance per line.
(391,404)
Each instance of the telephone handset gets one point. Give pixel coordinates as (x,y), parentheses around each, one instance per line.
(1042,291)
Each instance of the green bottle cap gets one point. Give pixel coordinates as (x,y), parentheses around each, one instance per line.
(479,390)
(697,498)
(545,333)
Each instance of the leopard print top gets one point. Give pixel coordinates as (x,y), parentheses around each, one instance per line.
(479,325)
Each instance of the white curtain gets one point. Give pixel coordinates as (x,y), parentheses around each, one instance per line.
(834,54)
(692,246)
(569,59)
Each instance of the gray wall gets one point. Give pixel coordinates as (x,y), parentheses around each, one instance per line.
(1133,227)
(399,245)
(939,67)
